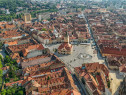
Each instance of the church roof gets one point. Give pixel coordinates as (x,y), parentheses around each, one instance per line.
(66,46)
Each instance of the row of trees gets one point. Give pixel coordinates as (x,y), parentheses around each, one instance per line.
(33,13)
(10,17)
(14,16)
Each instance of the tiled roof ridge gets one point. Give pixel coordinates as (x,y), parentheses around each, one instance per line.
(30,59)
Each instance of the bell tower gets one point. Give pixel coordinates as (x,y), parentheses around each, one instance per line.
(66,38)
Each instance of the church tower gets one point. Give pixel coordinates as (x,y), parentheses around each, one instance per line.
(66,38)
(65,47)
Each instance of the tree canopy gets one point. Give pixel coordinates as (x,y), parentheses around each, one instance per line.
(1,45)
(7,59)
(43,29)
(1,64)
(1,72)
(11,4)
(14,90)
(1,57)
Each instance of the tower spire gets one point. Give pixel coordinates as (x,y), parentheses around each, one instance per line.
(66,38)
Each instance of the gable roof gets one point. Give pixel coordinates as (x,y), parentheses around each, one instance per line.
(114,51)
(32,47)
(66,46)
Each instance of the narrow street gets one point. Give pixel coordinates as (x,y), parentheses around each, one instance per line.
(99,55)
(79,85)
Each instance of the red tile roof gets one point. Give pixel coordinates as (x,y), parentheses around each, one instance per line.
(32,47)
(101,86)
(91,67)
(95,84)
(66,46)
(11,33)
(35,61)
(114,51)
(52,83)
(8,26)
(91,85)
(17,48)
(122,68)
(12,43)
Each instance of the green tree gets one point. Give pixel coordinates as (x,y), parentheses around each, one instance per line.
(3,92)
(48,78)
(1,64)
(1,72)
(108,83)
(12,6)
(1,45)
(7,59)
(14,90)
(9,92)
(11,62)
(1,81)
(20,92)
(7,80)
(1,57)
(44,29)
(12,73)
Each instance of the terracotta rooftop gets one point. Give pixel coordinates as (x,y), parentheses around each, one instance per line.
(32,47)
(122,68)
(17,48)
(8,26)
(11,33)
(11,43)
(96,84)
(35,61)
(92,67)
(66,46)
(59,82)
(114,51)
